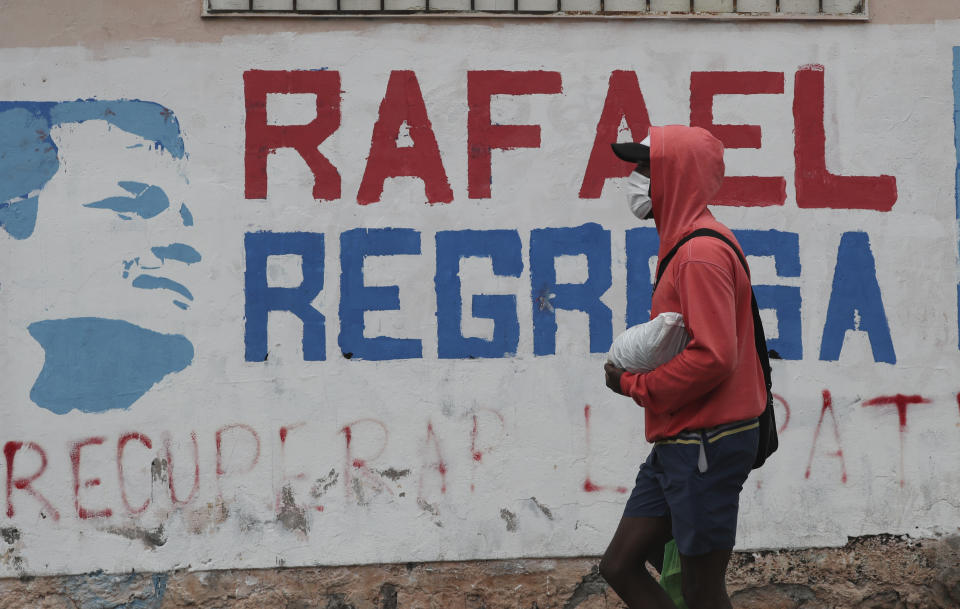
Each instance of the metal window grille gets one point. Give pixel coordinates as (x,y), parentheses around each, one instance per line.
(703,9)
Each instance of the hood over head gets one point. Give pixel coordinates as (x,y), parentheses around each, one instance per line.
(686,171)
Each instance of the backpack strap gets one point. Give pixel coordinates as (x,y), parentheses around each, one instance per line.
(758,335)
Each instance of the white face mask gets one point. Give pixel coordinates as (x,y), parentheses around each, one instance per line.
(638,195)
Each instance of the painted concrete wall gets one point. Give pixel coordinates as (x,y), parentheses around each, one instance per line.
(299,299)
(97,23)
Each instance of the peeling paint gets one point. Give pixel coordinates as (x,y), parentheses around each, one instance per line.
(206,518)
(510,518)
(222,511)
(542,300)
(393,473)
(10,534)
(151,539)
(291,516)
(324,483)
(12,558)
(247,523)
(543,509)
(358,492)
(428,507)
(158,470)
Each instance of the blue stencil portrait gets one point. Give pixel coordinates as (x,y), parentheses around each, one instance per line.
(93,363)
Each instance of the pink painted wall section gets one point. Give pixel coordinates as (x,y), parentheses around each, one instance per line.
(914,12)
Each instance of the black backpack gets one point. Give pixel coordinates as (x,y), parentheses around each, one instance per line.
(768,423)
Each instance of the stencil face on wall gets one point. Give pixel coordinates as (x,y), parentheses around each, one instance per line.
(96,170)
(356,309)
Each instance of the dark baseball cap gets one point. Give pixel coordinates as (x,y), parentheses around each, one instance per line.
(633,152)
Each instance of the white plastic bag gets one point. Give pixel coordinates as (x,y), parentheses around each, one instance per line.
(643,347)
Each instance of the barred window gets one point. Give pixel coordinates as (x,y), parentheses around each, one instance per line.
(702,9)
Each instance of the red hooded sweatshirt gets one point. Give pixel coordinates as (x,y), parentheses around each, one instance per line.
(717,378)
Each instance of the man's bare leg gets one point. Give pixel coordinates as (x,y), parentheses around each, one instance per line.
(623,565)
(705,580)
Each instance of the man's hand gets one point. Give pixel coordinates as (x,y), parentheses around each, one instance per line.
(613,377)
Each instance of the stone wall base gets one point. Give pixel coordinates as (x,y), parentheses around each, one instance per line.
(880,572)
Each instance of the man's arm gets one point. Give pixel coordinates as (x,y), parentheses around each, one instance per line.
(708,305)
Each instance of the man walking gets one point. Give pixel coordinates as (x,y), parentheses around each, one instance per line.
(701,407)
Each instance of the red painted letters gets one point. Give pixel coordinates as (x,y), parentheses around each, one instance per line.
(704,86)
(121,444)
(403,104)
(482,136)
(588,484)
(786,413)
(218,437)
(624,103)
(901,402)
(828,406)
(438,463)
(816,186)
(26,484)
(356,470)
(83,512)
(264,139)
(171,470)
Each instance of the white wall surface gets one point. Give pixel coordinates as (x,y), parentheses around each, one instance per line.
(428,458)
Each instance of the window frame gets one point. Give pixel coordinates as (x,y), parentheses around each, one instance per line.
(383,13)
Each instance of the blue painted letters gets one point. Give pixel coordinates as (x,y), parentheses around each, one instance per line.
(503,249)
(546,244)
(855,302)
(785,300)
(356,298)
(642,244)
(261,299)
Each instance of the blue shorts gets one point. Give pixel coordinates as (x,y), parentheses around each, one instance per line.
(695,479)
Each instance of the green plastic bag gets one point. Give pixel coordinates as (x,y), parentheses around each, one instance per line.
(670,578)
